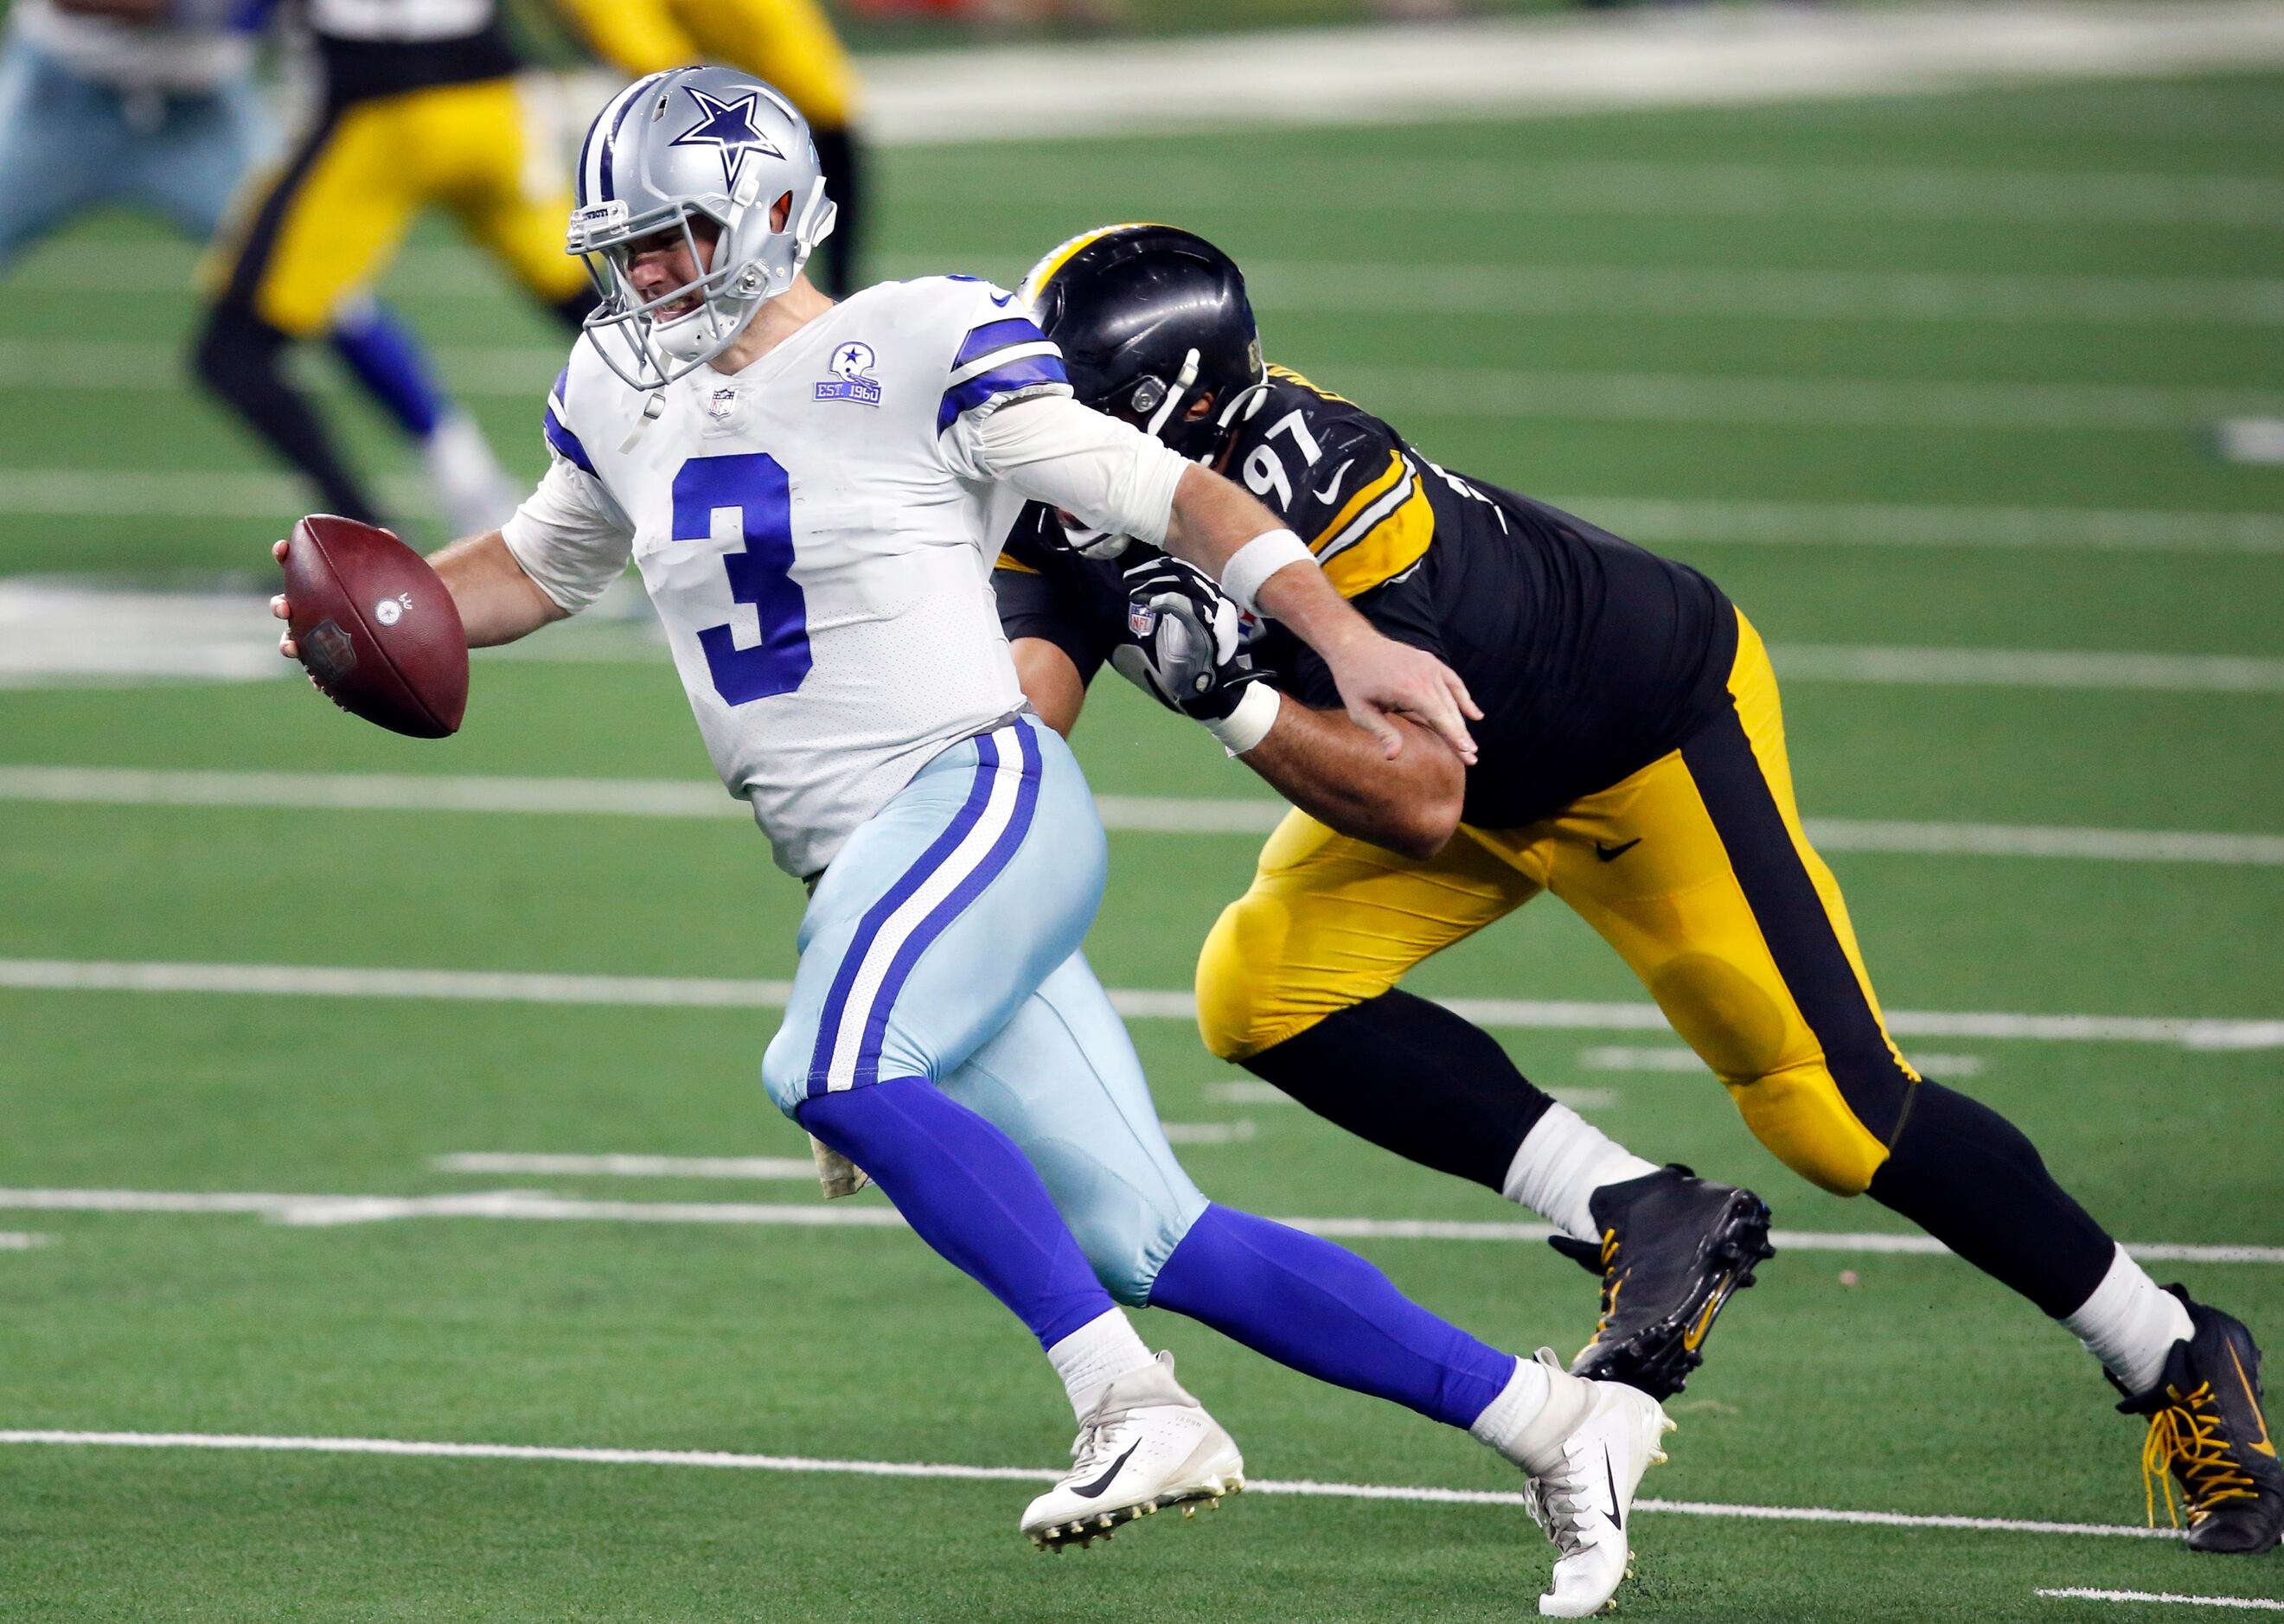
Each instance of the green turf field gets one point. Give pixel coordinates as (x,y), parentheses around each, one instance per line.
(2113,255)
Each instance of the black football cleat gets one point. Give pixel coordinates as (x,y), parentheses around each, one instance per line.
(2207,1433)
(1675,1247)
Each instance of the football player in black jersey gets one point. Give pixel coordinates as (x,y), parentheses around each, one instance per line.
(419,105)
(1632,760)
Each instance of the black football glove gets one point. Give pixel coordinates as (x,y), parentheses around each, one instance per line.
(1188,651)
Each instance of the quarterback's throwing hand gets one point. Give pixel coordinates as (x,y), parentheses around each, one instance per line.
(1380,678)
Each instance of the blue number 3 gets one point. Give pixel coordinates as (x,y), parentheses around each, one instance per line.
(753,483)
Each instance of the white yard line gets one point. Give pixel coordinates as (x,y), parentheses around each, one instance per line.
(2028,668)
(626,1166)
(1626,187)
(1730,292)
(1834,834)
(1657,519)
(1402,392)
(1420,391)
(1763,293)
(2249,1603)
(132,493)
(671,798)
(1136,1003)
(1240,1132)
(725,1460)
(1673,1057)
(1546,67)
(1494,289)
(325,1211)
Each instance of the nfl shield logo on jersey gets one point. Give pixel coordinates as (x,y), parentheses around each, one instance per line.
(850,363)
(722,403)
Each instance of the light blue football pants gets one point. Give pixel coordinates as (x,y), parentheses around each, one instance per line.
(943,943)
(68,143)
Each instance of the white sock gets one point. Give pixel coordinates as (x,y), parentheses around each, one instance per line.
(2129,1325)
(1560,1163)
(1095,1356)
(1540,1405)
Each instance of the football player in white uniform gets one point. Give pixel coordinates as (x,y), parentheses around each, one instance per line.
(815,494)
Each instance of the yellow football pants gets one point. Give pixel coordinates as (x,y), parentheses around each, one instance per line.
(788,43)
(330,220)
(1694,869)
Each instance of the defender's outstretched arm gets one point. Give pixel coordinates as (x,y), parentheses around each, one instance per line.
(1118,479)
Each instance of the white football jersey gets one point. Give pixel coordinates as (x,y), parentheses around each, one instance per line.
(817,539)
(195,49)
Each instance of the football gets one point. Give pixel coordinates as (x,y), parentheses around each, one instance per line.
(376,627)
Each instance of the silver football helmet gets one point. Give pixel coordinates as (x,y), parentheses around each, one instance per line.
(688,143)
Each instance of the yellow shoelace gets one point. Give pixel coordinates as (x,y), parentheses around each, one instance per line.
(2184,1440)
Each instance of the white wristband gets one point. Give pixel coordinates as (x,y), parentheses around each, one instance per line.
(1251,565)
(1256,712)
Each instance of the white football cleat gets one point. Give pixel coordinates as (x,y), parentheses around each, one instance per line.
(1148,1445)
(1582,1503)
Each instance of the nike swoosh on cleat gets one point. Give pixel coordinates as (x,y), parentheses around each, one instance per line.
(1611,853)
(1091,1490)
(1695,1334)
(2265,1445)
(1617,1517)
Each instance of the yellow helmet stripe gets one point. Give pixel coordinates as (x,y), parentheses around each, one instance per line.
(1043,272)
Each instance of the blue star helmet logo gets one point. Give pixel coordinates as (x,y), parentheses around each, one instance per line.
(728,128)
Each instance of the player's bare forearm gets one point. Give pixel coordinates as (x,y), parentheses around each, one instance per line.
(1338,775)
(1211,518)
(497,602)
(1050,681)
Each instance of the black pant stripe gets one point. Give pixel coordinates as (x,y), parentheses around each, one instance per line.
(261,239)
(1790,912)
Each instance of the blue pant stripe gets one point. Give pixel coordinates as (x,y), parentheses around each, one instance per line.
(868,929)
(1003,850)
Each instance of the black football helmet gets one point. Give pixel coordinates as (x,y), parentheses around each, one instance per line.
(1151,319)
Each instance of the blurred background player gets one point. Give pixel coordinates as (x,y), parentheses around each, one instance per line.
(151,104)
(791,44)
(1632,762)
(418,106)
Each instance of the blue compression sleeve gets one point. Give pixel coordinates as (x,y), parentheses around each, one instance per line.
(967,1191)
(389,362)
(1327,1313)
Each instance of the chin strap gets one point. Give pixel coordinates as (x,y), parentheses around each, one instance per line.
(652,409)
(1183,380)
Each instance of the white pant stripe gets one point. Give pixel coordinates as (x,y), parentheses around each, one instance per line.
(998,811)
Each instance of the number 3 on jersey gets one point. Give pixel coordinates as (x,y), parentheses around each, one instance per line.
(762,575)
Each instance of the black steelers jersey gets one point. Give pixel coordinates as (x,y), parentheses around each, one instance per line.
(368,48)
(1590,656)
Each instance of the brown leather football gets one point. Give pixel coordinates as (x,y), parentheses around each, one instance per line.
(376,627)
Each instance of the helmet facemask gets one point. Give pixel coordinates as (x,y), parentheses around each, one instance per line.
(1162,407)
(749,264)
